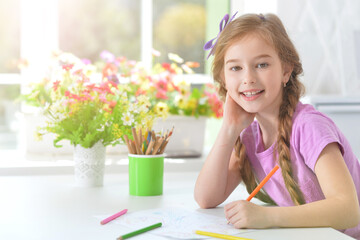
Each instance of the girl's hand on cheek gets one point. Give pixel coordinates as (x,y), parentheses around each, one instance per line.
(235,115)
(244,214)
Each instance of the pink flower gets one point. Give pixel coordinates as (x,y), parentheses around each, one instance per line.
(104,86)
(161,94)
(67,67)
(72,96)
(155,53)
(107,56)
(109,70)
(112,104)
(56,85)
(102,98)
(162,85)
(119,60)
(167,66)
(113,84)
(177,88)
(132,63)
(215,103)
(140,92)
(86,61)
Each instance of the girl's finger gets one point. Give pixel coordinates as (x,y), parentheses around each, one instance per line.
(230,205)
(230,212)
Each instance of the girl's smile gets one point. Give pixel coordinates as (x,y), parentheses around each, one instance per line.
(252,94)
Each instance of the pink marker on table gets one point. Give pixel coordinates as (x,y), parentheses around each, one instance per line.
(116,215)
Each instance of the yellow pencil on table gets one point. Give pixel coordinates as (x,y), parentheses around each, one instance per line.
(222,236)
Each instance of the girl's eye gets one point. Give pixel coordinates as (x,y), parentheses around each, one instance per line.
(236,68)
(262,65)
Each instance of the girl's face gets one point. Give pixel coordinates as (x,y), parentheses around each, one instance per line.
(254,75)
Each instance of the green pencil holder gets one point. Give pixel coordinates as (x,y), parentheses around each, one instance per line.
(146,173)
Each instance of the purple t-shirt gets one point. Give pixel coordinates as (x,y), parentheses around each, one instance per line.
(312,131)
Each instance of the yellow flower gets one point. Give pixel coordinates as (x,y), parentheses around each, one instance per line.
(117,131)
(162,109)
(180,101)
(106,115)
(191,104)
(177,69)
(74,108)
(184,87)
(38,136)
(144,100)
(124,97)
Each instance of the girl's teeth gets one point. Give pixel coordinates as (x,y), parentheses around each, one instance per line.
(251,93)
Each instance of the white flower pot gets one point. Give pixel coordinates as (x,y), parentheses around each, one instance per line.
(89,165)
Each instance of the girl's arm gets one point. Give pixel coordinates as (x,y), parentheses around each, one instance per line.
(220,174)
(339,209)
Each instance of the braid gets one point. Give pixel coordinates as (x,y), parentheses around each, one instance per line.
(247,174)
(291,95)
(290,99)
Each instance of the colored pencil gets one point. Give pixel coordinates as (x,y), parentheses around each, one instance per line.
(157,145)
(137,141)
(149,149)
(116,215)
(137,232)
(262,183)
(222,236)
(148,137)
(132,146)
(128,143)
(148,144)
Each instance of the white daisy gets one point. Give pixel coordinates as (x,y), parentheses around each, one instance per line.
(127,118)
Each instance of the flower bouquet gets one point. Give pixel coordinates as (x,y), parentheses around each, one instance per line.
(84,107)
(168,90)
(171,96)
(90,110)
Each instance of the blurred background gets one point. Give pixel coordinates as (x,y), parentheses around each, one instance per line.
(325,32)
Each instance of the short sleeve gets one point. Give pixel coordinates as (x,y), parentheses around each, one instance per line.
(312,133)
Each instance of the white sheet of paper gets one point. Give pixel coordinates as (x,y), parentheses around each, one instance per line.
(177,222)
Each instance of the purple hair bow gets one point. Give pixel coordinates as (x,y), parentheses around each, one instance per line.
(223,23)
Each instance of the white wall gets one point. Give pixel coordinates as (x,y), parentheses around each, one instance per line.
(327,36)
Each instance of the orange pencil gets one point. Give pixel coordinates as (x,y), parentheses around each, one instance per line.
(262,183)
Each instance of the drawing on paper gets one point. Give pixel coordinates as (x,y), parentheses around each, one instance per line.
(178,222)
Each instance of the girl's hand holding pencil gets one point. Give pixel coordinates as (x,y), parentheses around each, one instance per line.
(148,143)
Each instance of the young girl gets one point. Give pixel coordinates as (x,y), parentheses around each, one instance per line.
(257,68)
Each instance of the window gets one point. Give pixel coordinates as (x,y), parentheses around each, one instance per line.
(127,28)
(10,36)
(179,27)
(9,72)
(91,26)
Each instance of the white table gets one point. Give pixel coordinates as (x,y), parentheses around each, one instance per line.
(51,207)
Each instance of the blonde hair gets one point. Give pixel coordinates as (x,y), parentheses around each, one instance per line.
(270,28)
